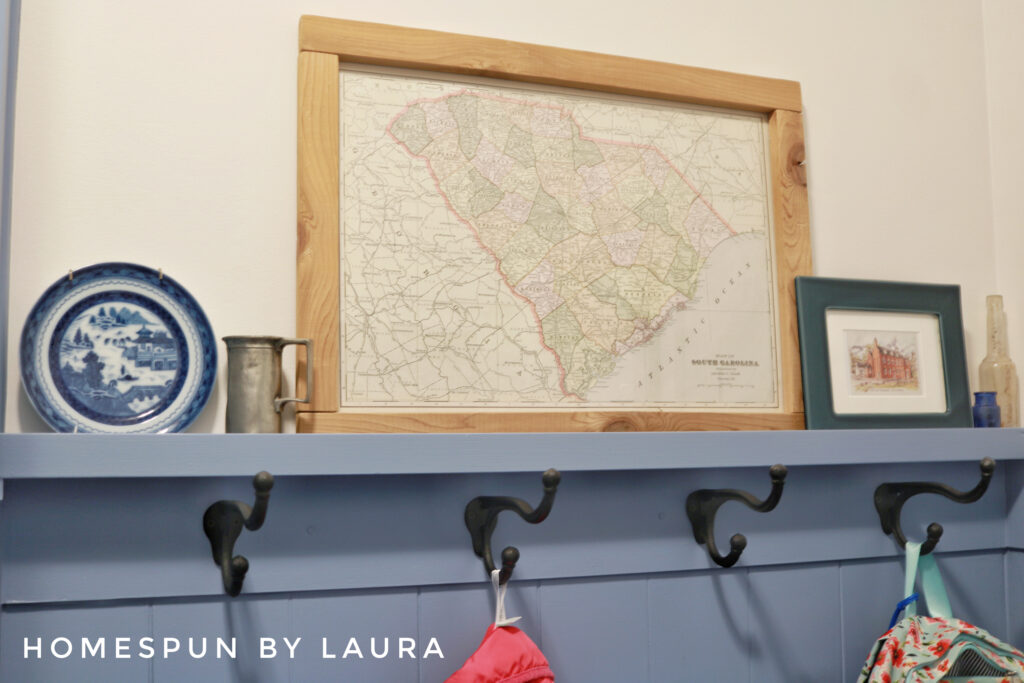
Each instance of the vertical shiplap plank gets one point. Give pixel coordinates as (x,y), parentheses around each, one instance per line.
(3,541)
(458,616)
(74,623)
(699,627)
(376,620)
(1014,503)
(870,592)
(244,619)
(4,536)
(596,630)
(1015,597)
(976,588)
(795,625)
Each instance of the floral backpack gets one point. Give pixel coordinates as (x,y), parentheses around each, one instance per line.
(938,647)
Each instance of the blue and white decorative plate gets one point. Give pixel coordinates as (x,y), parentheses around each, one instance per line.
(118,348)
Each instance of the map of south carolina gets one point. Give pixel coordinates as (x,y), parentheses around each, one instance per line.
(603,239)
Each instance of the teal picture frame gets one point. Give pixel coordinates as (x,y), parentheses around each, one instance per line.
(815,296)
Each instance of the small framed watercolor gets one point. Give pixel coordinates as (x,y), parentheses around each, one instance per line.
(882,354)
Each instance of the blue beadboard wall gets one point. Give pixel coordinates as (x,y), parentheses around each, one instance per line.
(362,540)
(808,622)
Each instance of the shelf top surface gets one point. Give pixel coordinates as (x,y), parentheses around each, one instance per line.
(47,456)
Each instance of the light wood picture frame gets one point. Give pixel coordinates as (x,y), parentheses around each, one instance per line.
(325,44)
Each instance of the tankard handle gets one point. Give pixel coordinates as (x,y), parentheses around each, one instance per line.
(308,343)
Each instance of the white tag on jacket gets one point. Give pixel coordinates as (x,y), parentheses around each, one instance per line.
(499,602)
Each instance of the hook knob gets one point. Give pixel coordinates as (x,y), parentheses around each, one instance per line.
(934,533)
(551,479)
(509,557)
(987,466)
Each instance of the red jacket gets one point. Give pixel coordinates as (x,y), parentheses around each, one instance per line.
(506,655)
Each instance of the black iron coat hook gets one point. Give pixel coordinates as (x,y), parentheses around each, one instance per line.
(223,522)
(482,517)
(701,506)
(890,497)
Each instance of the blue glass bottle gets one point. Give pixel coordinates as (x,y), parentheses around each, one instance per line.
(986,411)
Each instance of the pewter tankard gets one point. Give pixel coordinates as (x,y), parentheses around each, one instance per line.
(254,382)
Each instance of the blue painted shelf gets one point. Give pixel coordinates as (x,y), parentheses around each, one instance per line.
(621,505)
(116,547)
(48,456)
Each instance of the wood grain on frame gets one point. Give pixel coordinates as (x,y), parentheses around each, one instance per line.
(383,45)
(318,301)
(531,420)
(324,43)
(792,243)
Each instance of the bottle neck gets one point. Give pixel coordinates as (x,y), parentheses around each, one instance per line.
(996,328)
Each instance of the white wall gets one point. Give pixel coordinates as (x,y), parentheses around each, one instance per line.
(164,134)
(1004,64)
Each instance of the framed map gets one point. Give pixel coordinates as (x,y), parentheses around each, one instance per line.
(496,236)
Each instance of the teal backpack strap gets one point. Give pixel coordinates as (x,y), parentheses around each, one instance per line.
(910,577)
(932,587)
